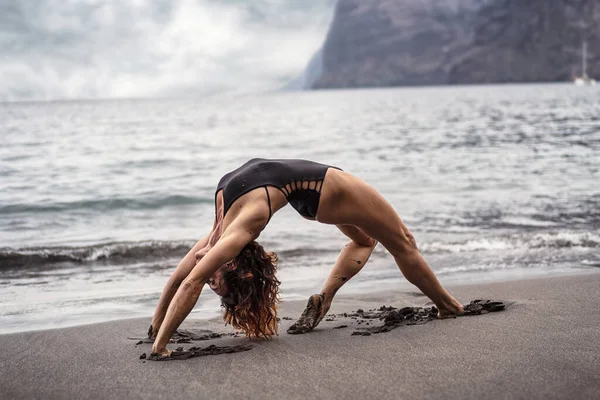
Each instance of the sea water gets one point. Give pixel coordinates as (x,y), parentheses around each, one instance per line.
(99,200)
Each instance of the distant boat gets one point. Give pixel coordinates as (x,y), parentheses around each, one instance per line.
(584,79)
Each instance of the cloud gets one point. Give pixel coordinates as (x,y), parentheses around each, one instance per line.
(56,49)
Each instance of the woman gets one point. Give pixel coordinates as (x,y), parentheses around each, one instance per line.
(243,274)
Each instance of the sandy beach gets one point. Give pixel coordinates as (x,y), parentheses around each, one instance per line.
(545,345)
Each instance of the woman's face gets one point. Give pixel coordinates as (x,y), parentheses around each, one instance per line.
(217,282)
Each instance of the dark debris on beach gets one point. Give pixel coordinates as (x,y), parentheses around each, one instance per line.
(212,350)
(395,317)
(392,318)
(187,336)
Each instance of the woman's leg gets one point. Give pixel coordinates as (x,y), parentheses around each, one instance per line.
(183,269)
(384,225)
(350,261)
(346,199)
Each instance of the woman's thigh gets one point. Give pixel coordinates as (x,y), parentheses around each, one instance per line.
(359,204)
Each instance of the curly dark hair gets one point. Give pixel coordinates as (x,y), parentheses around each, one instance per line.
(251,304)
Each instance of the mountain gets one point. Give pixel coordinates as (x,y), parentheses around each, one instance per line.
(311,73)
(530,41)
(373,43)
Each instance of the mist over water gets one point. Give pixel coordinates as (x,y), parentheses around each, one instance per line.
(52,49)
(99,200)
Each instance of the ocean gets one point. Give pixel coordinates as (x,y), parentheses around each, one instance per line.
(99,200)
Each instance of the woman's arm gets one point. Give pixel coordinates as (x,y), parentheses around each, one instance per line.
(225,250)
(181,272)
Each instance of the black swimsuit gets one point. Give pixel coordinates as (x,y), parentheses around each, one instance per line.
(299,180)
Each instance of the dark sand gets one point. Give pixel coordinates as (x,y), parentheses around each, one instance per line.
(545,345)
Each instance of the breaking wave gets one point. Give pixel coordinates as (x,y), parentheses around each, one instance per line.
(126,252)
(537,241)
(115,253)
(121,253)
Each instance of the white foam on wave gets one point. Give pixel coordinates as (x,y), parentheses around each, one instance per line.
(517,242)
(124,252)
(472,268)
(591,263)
(524,221)
(566,239)
(107,251)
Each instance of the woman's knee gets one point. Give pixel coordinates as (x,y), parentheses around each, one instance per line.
(403,246)
(412,241)
(369,242)
(357,236)
(365,241)
(409,236)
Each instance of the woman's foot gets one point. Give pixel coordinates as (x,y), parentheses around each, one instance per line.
(309,318)
(452,309)
(160,352)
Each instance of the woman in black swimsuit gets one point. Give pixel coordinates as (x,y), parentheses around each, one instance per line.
(243,274)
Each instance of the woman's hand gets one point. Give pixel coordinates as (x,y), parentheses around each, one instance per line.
(152,331)
(181,272)
(226,249)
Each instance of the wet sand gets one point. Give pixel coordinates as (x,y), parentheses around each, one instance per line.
(546,344)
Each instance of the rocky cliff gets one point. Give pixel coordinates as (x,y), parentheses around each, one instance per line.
(531,41)
(420,42)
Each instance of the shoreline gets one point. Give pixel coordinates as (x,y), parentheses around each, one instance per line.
(403,287)
(544,345)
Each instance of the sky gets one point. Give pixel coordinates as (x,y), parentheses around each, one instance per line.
(70,49)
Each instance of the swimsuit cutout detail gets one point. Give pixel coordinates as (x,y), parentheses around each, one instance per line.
(300,181)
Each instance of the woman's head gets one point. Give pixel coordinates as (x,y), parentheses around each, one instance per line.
(249,291)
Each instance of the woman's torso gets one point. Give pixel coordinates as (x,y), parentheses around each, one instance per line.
(300,181)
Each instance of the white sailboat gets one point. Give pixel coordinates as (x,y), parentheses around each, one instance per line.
(584,79)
